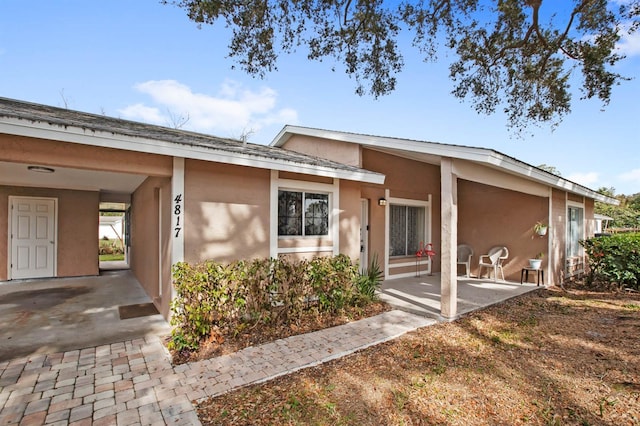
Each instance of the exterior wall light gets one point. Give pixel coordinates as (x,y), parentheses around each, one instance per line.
(382,201)
(40,169)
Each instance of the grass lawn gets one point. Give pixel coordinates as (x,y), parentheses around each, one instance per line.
(546,358)
(111,257)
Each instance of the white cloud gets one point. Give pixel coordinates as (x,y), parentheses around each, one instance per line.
(231,110)
(586,179)
(629,44)
(631,176)
(144,113)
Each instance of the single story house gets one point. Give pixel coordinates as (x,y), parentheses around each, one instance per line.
(312,192)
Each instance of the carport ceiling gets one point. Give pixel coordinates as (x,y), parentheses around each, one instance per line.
(18,174)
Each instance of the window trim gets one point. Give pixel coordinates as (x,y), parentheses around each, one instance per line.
(332,189)
(428,233)
(303,192)
(580,255)
(400,256)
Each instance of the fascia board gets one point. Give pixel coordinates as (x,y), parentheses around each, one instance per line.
(534,173)
(78,135)
(481,155)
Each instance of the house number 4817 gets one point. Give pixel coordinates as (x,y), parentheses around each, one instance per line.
(177,212)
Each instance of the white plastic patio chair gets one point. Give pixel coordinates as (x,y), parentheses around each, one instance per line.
(464,255)
(493,260)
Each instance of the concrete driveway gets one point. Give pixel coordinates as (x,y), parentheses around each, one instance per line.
(55,315)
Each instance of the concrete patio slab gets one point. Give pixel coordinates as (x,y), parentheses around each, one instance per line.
(421,295)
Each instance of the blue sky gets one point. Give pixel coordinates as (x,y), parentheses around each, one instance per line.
(144,61)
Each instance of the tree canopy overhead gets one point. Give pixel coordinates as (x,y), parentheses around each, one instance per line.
(515,54)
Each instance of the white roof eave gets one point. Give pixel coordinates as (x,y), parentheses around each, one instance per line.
(73,134)
(475,154)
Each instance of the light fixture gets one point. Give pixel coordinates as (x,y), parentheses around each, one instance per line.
(382,201)
(40,169)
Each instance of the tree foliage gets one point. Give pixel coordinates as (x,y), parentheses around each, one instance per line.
(625,215)
(513,53)
(551,169)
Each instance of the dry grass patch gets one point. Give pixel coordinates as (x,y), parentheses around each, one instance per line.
(546,358)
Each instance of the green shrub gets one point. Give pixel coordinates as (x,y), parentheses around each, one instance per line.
(226,298)
(614,260)
(370,279)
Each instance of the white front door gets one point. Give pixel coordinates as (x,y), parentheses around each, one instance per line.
(33,237)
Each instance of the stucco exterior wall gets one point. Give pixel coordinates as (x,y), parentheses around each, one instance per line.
(406,179)
(575,198)
(341,152)
(350,219)
(147,237)
(490,216)
(77,229)
(226,212)
(53,153)
(305,178)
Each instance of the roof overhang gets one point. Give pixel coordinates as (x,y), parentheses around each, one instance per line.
(19,174)
(430,151)
(99,138)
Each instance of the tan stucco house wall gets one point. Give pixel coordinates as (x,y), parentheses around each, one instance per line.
(226,212)
(489,216)
(150,240)
(65,154)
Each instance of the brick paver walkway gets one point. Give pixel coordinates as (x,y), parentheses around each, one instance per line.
(133,382)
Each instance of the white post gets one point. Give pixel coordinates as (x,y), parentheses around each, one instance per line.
(273,208)
(177,211)
(386,234)
(449,237)
(335,217)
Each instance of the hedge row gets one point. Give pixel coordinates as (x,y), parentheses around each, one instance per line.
(614,260)
(226,298)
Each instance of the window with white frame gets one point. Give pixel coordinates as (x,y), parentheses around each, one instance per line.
(303,213)
(406,229)
(575,231)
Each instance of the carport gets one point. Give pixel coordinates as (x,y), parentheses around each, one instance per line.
(54,315)
(57,168)
(53,215)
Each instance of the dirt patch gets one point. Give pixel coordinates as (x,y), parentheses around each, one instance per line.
(551,357)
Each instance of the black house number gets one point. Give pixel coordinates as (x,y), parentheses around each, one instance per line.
(177,212)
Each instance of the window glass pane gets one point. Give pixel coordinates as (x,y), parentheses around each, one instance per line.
(574,230)
(406,229)
(415,229)
(397,230)
(289,213)
(316,214)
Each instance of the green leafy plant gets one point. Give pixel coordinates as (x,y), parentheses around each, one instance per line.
(216,298)
(370,279)
(540,228)
(614,260)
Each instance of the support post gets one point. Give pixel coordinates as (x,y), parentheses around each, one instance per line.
(177,211)
(449,237)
